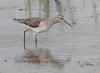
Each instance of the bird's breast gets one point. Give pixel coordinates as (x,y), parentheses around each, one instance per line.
(40,29)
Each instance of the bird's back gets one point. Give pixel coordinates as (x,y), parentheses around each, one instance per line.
(32,22)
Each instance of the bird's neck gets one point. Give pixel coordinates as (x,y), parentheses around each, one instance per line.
(54,20)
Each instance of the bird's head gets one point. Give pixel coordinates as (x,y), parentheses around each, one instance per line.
(62,18)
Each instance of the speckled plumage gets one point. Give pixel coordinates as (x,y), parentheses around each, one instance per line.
(31,22)
(38,24)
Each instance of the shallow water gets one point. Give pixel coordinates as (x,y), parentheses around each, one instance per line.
(61,40)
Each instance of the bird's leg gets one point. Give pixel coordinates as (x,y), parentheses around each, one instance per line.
(24,37)
(36,41)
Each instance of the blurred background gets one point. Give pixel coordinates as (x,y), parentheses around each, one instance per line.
(79,42)
(84,15)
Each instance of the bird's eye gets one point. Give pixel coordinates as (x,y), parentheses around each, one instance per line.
(61,18)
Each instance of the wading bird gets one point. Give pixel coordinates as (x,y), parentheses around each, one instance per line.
(39,25)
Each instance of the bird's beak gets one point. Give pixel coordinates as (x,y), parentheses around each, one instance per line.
(66,22)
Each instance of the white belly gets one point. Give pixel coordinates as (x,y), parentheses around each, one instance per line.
(40,29)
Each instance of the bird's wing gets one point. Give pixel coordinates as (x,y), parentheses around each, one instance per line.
(32,22)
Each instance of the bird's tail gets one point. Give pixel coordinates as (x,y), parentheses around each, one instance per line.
(20,20)
(14,19)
